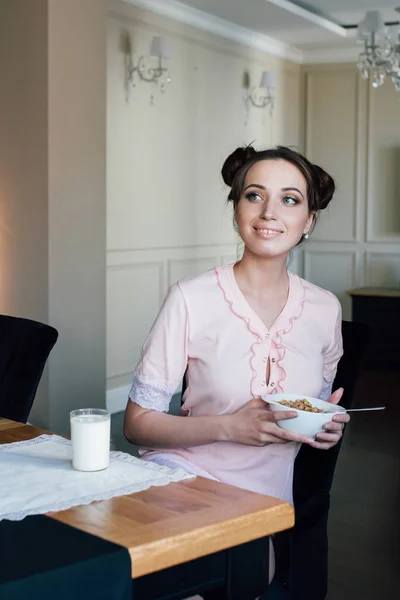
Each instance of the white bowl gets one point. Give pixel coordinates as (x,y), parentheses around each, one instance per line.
(306,423)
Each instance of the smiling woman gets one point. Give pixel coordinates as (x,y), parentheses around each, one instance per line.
(241,332)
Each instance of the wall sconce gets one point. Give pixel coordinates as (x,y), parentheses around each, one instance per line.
(159,49)
(263,95)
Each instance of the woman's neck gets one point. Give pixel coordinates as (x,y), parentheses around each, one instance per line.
(258,276)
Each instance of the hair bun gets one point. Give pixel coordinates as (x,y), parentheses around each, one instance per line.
(325,187)
(235,162)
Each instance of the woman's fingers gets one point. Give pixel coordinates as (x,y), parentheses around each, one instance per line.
(273,439)
(336,396)
(323,445)
(328,437)
(342,418)
(293,436)
(283,435)
(333,426)
(282,415)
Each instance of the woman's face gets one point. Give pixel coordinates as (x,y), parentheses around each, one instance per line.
(272,213)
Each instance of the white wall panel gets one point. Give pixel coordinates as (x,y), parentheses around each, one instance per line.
(186,267)
(332,270)
(134,295)
(382,269)
(383,175)
(331,142)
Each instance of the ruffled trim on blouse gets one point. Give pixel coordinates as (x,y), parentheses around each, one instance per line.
(277,338)
(282,326)
(251,327)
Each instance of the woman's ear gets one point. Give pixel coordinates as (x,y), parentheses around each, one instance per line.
(309,223)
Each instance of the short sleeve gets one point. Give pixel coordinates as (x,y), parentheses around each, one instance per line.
(164,355)
(332,354)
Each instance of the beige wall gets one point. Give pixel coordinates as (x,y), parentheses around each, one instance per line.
(52,189)
(166,214)
(354,132)
(23,164)
(23,158)
(77,203)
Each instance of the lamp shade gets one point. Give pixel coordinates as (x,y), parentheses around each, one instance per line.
(160,47)
(372,23)
(268,80)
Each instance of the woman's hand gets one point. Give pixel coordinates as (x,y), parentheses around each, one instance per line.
(333,429)
(255,425)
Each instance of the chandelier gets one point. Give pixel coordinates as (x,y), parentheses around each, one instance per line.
(381,56)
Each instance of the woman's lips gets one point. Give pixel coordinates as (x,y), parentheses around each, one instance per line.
(266,233)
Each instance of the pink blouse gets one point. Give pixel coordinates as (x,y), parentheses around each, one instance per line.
(207,325)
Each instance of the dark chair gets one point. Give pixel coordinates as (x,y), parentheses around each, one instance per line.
(302,553)
(24,348)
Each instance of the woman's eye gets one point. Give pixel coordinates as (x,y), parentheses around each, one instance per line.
(290,200)
(253,197)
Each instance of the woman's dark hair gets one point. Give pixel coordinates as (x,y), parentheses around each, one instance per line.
(320,185)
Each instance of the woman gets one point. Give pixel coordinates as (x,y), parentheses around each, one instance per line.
(241,332)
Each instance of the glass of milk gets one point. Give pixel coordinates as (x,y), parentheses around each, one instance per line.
(90,436)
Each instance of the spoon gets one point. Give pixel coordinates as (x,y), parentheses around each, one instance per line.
(361,409)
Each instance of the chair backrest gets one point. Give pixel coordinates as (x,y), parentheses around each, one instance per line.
(314,469)
(355,340)
(313,475)
(24,348)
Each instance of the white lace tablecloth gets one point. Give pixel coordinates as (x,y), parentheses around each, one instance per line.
(36,477)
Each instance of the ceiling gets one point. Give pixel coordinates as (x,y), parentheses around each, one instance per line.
(352,11)
(312,28)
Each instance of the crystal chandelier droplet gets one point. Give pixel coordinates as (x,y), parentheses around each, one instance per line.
(365,73)
(380,58)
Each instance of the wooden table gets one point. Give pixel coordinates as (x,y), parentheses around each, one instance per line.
(380,309)
(164,527)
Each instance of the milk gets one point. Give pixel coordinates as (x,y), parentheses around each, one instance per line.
(90,436)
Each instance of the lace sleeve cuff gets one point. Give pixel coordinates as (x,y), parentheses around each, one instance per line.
(150,395)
